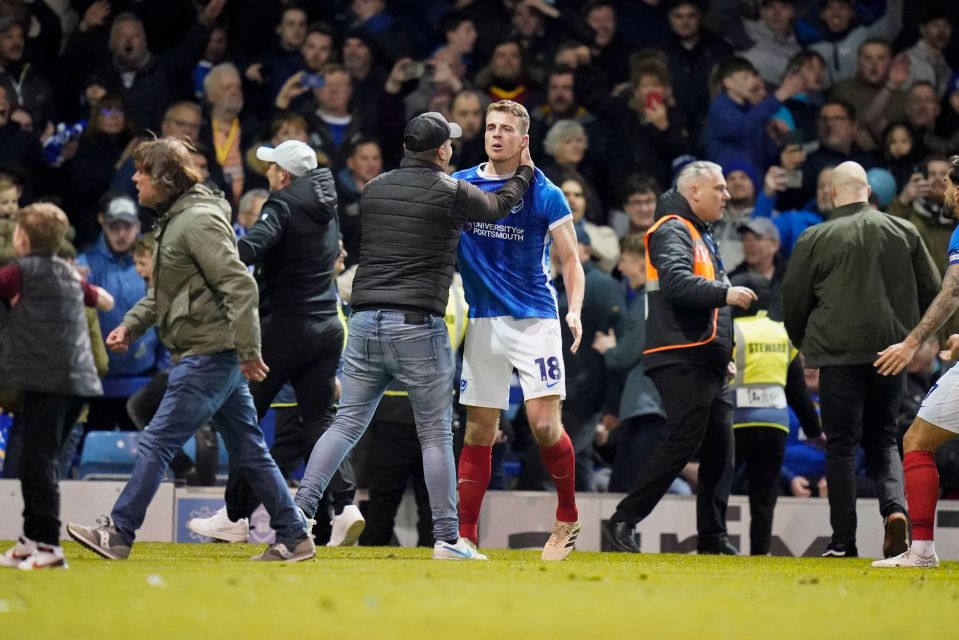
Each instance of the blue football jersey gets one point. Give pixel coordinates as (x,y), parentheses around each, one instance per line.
(954,248)
(505,264)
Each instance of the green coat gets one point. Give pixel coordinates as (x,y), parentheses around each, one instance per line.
(856,284)
(203,298)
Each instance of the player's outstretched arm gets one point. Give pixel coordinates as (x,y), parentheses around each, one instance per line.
(564,243)
(894,358)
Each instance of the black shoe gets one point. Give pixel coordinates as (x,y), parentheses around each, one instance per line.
(838,550)
(619,536)
(720,547)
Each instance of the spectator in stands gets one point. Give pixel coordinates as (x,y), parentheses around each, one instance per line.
(926,59)
(228,130)
(773,39)
(539,27)
(365,162)
(800,111)
(922,110)
(9,203)
(900,153)
(604,244)
(20,76)
(248,211)
(20,152)
(459,33)
(217,48)
(318,48)
(640,426)
(284,58)
(565,145)
(836,32)
(763,262)
(360,61)
(742,182)
(640,194)
(505,77)
(442,77)
(467,109)
(111,266)
(923,202)
(736,129)
(607,49)
(333,125)
(693,51)
(146,80)
(106,144)
(837,129)
(47,354)
(874,83)
(285,125)
(843,302)
(792,223)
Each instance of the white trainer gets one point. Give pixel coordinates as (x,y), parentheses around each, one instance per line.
(45,557)
(220,527)
(562,540)
(19,552)
(462,550)
(347,527)
(908,559)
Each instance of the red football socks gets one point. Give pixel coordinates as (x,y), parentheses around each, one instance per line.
(473,476)
(922,492)
(560,460)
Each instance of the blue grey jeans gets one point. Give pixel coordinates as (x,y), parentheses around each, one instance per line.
(413,348)
(201,389)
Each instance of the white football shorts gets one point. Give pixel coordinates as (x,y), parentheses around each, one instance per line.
(940,407)
(494,346)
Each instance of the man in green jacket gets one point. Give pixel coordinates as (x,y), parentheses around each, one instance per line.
(855,284)
(204,305)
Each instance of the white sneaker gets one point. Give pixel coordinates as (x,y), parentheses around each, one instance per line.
(220,527)
(45,557)
(462,550)
(347,527)
(562,541)
(19,552)
(908,559)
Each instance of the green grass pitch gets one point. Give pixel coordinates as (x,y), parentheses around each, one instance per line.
(207,591)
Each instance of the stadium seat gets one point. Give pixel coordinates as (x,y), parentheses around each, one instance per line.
(108,455)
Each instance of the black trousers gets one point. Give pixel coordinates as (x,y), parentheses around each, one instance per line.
(305,351)
(143,405)
(699,415)
(394,460)
(760,450)
(636,440)
(859,407)
(46,419)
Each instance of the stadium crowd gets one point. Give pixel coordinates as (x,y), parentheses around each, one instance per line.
(621,97)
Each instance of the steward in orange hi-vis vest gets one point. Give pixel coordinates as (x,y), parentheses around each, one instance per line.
(686,286)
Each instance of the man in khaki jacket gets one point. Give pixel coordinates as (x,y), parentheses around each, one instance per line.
(204,305)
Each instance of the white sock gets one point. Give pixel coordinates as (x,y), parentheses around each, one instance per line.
(923,548)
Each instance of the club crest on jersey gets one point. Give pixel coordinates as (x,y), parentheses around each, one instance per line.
(517,207)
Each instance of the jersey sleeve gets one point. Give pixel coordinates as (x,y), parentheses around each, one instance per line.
(954,248)
(91,295)
(555,207)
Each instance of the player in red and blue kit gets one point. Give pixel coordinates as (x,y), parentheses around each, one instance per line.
(938,419)
(514,323)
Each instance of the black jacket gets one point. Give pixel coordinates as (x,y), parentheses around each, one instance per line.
(294,244)
(412,218)
(681,311)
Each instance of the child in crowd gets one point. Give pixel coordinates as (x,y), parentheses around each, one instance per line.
(45,352)
(143,258)
(9,197)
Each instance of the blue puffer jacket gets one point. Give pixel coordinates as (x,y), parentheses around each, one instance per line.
(117,274)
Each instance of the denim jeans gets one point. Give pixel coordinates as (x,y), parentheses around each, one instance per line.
(414,349)
(201,389)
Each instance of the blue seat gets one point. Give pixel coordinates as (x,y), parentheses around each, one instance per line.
(108,455)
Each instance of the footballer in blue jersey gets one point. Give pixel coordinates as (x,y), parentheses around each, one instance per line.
(514,324)
(937,421)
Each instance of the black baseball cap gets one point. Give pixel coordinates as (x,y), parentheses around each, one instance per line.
(429,131)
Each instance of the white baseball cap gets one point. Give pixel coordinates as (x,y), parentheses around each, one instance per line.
(296,157)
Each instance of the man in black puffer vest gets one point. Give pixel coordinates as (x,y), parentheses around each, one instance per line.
(294,245)
(689,343)
(412,218)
